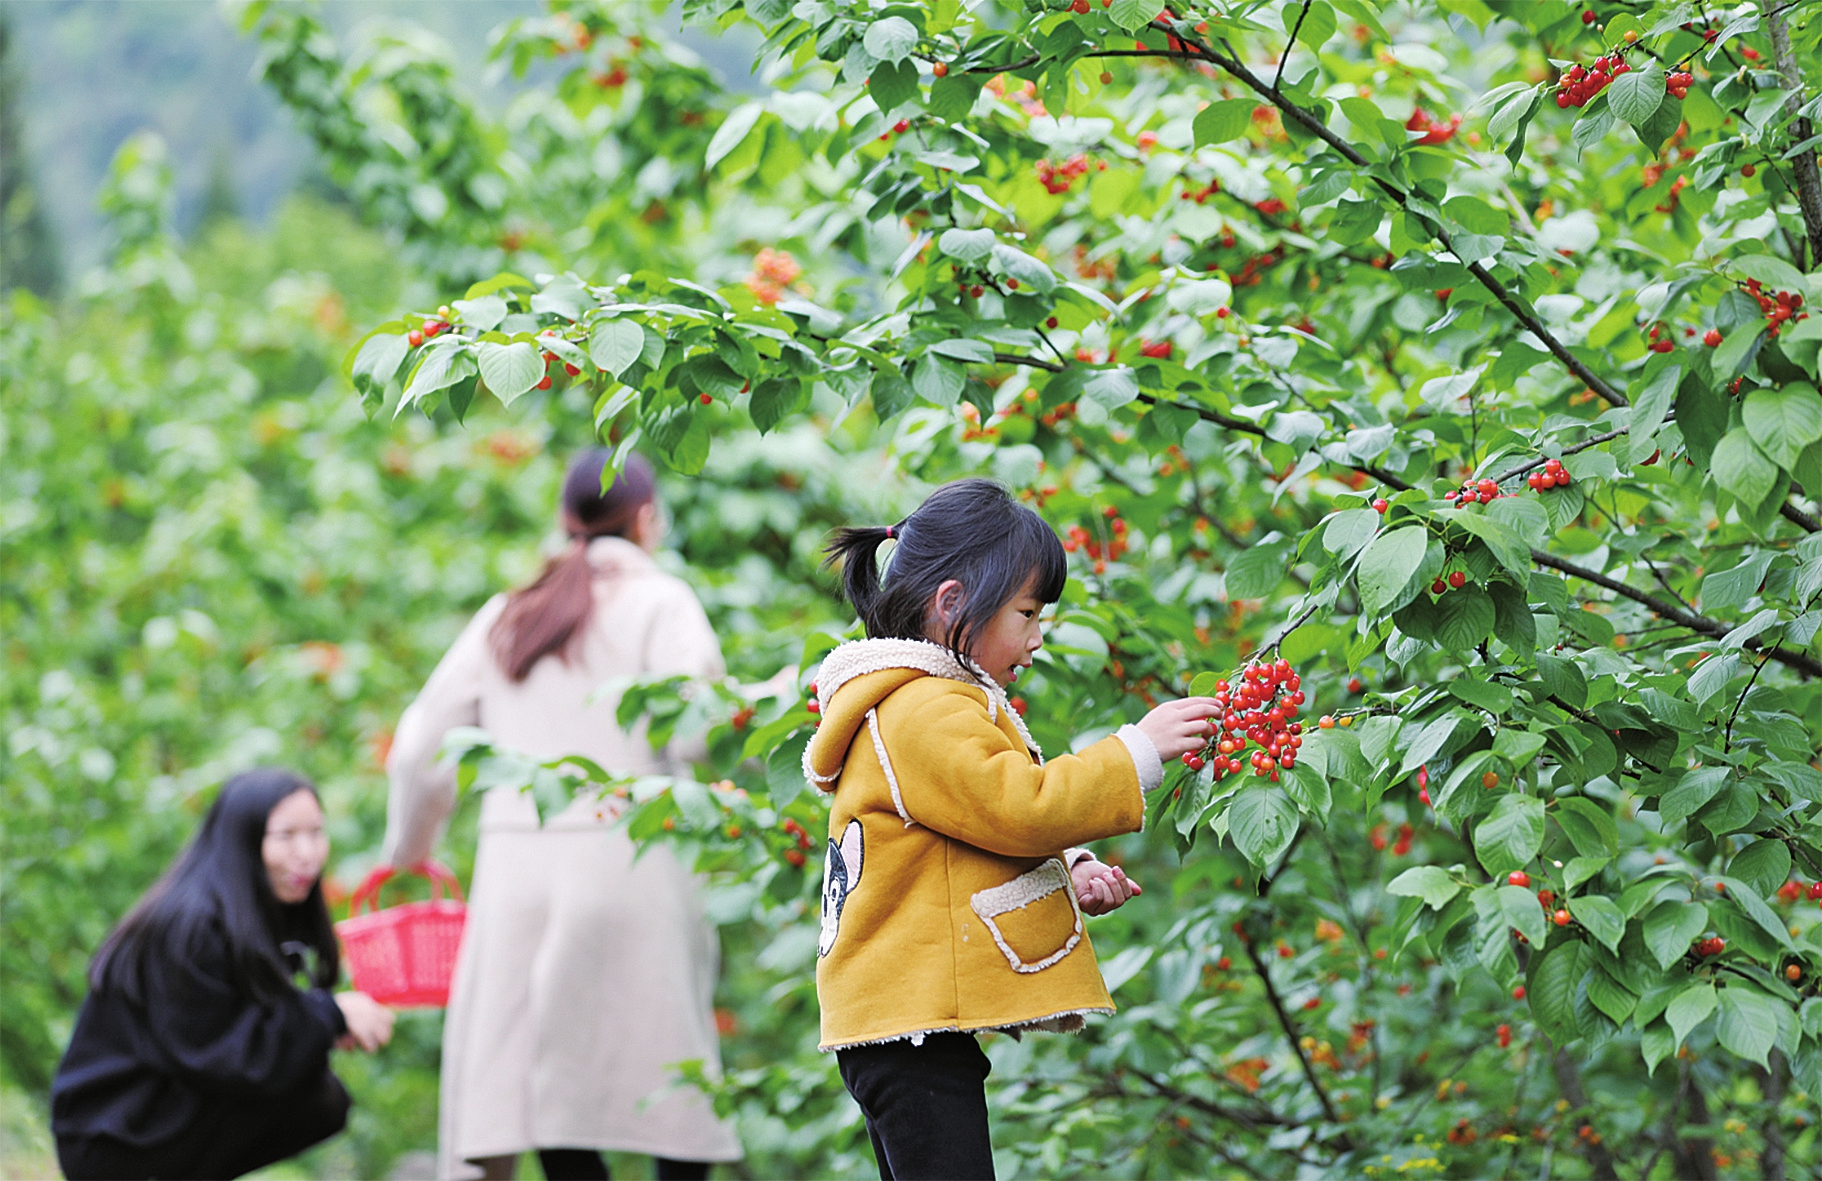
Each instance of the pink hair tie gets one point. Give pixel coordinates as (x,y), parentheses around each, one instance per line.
(888,533)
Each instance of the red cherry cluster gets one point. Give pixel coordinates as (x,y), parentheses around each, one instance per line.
(1794,891)
(1376,838)
(796,856)
(1504,1033)
(898,128)
(1200,196)
(813,705)
(1434,132)
(1580,85)
(1056,178)
(1076,537)
(1779,307)
(1712,337)
(1154,348)
(1659,340)
(1473,491)
(429,331)
(1712,946)
(1554,475)
(1260,710)
(1677,83)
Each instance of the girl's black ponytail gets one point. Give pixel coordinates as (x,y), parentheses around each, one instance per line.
(857,551)
(972,531)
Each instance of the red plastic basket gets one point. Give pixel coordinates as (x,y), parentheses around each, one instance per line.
(405,955)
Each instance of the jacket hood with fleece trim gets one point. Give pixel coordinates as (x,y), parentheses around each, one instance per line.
(860,674)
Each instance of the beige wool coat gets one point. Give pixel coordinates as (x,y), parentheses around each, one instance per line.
(582,976)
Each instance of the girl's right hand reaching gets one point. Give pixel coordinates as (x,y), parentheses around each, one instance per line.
(1178,728)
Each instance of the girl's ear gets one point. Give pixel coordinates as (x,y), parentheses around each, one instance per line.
(945,606)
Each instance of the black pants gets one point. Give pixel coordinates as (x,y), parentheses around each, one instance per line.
(586,1164)
(926,1107)
(233,1139)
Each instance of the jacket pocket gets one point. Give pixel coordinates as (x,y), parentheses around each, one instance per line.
(1033,918)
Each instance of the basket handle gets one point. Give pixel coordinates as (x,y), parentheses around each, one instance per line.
(368,892)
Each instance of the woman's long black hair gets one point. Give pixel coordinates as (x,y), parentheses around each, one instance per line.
(221,879)
(970,530)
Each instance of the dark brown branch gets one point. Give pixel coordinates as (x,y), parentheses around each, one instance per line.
(1809,182)
(1290,1035)
(1696,623)
(1497,289)
(1569,1082)
(1284,59)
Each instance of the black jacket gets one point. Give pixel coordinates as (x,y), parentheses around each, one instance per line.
(146,1074)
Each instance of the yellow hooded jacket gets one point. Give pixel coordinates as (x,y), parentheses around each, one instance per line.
(946,904)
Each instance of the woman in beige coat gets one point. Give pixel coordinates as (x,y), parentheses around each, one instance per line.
(583,977)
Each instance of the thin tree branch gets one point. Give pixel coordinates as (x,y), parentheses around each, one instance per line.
(1284,59)
(1569,1082)
(1744,693)
(1290,1035)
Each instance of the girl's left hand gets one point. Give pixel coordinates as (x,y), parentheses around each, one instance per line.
(1100,887)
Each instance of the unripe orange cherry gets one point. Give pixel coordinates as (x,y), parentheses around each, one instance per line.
(1560,918)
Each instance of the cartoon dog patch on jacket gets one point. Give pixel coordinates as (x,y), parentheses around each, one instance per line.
(840,876)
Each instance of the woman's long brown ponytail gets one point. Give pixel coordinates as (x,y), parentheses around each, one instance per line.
(547,615)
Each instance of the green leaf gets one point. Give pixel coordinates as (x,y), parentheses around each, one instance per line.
(1765,864)
(784,770)
(1563,680)
(1016,264)
(1132,15)
(938,381)
(1743,896)
(509,369)
(1387,564)
(1551,989)
(1112,388)
(1348,531)
(1511,835)
(891,394)
(1262,821)
(1656,1043)
(438,369)
(1610,996)
(1730,589)
(378,363)
(1429,883)
(616,344)
(1783,421)
(1690,1008)
(1589,826)
(891,39)
(776,399)
(970,246)
(1254,572)
(485,313)
(1735,353)
(1740,468)
(1223,120)
(1636,96)
(1523,913)
(892,85)
(1649,406)
(1355,221)
(1749,1022)
(1602,918)
(1691,792)
(1467,619)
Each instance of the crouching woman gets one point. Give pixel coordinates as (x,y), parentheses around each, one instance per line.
(203,1047)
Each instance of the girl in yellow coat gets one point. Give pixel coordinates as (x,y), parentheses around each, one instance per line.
(953,896)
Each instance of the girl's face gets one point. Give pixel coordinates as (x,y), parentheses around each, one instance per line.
(296,847)
(1005,644)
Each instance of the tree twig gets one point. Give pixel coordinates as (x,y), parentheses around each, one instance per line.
(1809,182)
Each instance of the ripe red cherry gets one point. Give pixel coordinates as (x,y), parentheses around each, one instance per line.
(1380,505)
(1815,890)
(1458,579)
(1051,322)
(940,69)
(1355,685)
(1518,994)
(1560,918)
(545,384)
(1712,337)
(414,338)
(813,705)
(1080,7)
(1588,16)
(1519,878)
(1439,586)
